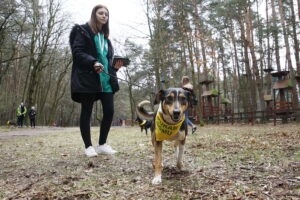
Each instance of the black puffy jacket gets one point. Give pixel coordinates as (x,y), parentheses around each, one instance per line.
(84,79)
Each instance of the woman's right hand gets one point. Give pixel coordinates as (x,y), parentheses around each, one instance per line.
(98,67)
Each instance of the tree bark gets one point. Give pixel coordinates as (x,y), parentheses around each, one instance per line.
(268,77)
(288,56)
(236,68)
(155,62)
(198,35)
(249,95)
(250,42)
(299,9)
(275,35)
(296,42)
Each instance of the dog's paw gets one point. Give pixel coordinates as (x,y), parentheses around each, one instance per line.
(156,180)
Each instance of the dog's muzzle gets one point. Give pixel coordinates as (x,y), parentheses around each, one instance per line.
(176,115)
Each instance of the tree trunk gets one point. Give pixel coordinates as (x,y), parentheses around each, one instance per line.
(184,60)
(59,91)
(275,35)
(198,35)
(288,56)
(250,95)
(250,39)
(268,77)
(132,104)
(237,77)
(222,54)
(296,43)
(233,81)
(299,9)
(155,62)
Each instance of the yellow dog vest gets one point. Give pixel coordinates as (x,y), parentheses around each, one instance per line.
(164,131)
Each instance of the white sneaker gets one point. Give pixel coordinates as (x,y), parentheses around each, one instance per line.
(105,149)
(90,152)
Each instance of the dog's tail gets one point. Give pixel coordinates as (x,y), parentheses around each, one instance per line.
(142,112)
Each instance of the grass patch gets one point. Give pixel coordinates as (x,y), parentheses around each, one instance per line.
(221,162)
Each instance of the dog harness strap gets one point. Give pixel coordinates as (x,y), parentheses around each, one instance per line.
(165,131)
(143,123)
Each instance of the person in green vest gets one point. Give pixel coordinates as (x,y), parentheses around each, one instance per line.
(21,112)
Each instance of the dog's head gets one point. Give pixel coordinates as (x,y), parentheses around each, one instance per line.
(139,120)
(174,101)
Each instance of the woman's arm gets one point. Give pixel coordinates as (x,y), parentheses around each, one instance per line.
(78,47)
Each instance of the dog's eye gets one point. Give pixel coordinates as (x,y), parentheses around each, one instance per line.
(182,100)
(169,98)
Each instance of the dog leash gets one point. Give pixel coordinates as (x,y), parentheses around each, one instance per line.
(124,80)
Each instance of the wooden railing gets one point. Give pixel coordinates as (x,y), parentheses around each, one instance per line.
(210,110)
(282,106)
(286,112)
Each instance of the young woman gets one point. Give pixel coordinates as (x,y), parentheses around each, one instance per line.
(185,83)
(93,76)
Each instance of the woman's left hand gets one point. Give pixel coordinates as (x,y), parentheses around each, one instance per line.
(119,64)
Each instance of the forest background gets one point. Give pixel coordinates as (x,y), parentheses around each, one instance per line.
(230,42)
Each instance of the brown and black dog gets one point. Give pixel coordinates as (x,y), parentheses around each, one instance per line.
(168,124)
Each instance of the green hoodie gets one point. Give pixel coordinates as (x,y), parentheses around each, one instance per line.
(102,48)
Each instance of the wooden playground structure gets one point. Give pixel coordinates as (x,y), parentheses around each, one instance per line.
(210,102)
(282,96)
(279,104)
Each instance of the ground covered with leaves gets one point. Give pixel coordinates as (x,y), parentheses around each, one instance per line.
(221,162)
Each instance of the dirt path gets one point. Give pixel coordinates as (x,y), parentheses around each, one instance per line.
(9,134)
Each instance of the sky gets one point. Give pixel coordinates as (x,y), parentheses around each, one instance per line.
(127,18)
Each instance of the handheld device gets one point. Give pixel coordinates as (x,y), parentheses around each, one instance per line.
(125,60)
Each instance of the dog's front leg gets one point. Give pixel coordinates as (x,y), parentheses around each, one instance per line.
(180,154)
(157,162)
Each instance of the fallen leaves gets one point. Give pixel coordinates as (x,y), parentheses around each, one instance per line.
(221,162)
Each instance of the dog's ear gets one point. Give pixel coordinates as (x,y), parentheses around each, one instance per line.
(160,96)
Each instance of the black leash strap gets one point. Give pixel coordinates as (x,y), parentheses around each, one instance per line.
(124,80)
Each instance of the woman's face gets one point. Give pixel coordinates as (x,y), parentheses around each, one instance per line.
(102,16)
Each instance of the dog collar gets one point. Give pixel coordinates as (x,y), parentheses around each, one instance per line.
(143,123)
(164,131)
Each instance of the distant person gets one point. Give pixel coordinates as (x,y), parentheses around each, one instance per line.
(32,114)
(120,121)
(21,112)
(92,54)
(186,85)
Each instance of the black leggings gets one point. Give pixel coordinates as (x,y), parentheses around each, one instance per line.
(32,122)
(87,101)
(20,120)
